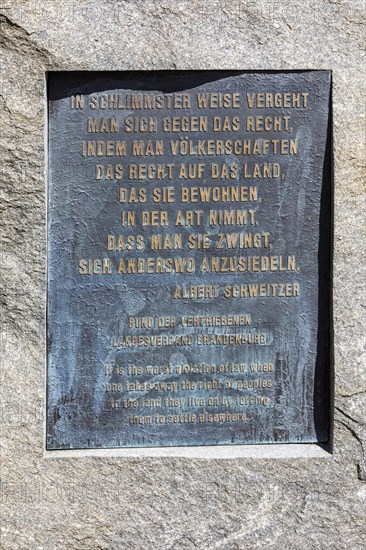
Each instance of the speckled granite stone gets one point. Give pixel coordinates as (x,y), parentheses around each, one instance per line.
(264,499)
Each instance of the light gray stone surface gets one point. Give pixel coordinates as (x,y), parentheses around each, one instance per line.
(183,501)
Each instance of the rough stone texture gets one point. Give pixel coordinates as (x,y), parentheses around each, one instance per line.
(113,502)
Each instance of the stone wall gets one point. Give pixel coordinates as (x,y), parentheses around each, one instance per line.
(265,497)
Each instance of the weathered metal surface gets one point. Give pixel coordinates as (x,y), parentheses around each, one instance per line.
(230,357)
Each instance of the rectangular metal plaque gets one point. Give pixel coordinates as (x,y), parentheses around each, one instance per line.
(188,258)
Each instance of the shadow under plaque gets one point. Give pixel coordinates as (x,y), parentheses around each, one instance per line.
(189,239)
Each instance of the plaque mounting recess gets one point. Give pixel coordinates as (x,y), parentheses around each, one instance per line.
(189,233)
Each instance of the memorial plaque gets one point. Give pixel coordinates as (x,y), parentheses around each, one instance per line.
(188,258)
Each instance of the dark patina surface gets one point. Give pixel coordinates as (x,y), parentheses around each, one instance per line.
(88,314)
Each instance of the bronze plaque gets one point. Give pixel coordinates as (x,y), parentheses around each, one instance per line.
(188,258)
